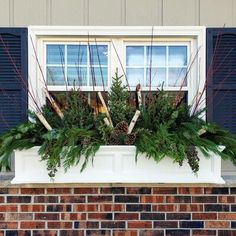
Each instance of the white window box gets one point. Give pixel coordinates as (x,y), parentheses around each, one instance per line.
(116,164)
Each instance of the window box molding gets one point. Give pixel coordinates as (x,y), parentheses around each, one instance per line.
(116,164)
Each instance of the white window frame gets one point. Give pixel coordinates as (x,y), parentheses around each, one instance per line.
(118,36)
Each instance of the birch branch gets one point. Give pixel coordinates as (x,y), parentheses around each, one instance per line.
(133,121)
(201,132)
(105,108)
(107,122)
(43,120)
(139,95)
(54,104)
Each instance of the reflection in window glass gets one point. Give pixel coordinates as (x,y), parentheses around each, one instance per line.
(177,56)
(71,65)
(167,64)
(135,56)
(55,54)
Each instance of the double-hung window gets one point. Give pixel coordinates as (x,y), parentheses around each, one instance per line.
(86,58)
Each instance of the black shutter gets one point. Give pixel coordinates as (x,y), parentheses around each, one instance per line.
(221,71)
(13,91)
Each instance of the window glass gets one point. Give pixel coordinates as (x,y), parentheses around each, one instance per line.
(157,65)
(77,65)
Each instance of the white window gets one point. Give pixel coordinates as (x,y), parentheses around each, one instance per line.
(70,58)
(157,65)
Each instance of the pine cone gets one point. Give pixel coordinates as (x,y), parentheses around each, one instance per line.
(130,139)
(114,140)
(122,126)
(193,159)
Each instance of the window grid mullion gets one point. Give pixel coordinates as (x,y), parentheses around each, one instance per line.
(167,66)
(65,66)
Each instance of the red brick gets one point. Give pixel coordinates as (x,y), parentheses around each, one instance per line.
(72,199)
(200,232)
(18,199)
(151,199)
(164,208)
(204,199)
(227,216)
(217,224)
(8,208)
(99,216)
(125,233)
(59,190)
(2,199)
(204,216)
(92,233)
(138,190)
(139,224)
(46,199)
(46,216)
(59,225)
(32,225)
(113,190)
(2,217)
(165,190)
(151,233)
(191,190)
(13,190)
(178,199)
(112,207)
(32,208)
(166,224)
(126,216)
(190,207)
(227,199)
(18,216)
(85,207)
(46,233)
(86,191)
(73,216)
(8,225)
(100,198)
(32,191)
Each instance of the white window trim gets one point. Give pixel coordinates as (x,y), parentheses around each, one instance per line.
(114,34)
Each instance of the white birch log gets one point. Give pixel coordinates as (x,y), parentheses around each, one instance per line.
(201,132)
(139,95)
(43,120)
(133,121)
(54,104)
(106,121)
(105,108)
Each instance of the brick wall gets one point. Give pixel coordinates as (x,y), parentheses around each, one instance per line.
(130,211)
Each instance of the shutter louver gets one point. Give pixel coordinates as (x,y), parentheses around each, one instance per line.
(13,94)
(221,89)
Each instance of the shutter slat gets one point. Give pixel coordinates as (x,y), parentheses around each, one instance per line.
(221,90)
(13,94)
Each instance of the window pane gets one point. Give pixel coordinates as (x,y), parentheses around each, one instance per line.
(55,76)
(177,55)
(77,55)
(98,54)
(77,76)
(177,76)
(135,76)
(135,56)
(157,54)
(158,77)
(98,76)
(56,54)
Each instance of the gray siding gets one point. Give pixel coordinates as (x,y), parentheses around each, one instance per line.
(118,12)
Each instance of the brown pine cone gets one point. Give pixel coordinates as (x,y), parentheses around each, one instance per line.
(130,139)
(122,126)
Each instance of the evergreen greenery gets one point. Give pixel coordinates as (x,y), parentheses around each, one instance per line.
(164,128)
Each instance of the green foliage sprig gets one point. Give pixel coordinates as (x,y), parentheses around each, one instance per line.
(163,129)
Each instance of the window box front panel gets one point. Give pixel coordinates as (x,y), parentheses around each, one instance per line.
(116,164)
